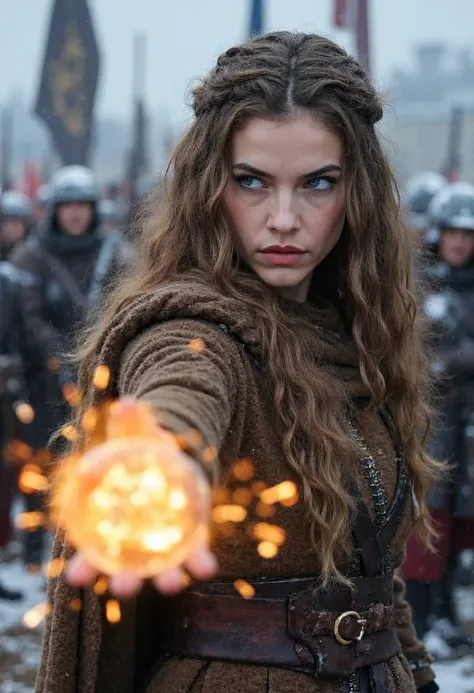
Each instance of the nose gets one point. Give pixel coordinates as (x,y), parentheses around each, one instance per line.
(283,217)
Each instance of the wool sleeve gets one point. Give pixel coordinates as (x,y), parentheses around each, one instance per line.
(412,648)
(191,373)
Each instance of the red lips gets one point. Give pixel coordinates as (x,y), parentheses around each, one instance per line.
(282,249)
(282,254)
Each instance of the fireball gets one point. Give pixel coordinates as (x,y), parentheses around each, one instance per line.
(135,502)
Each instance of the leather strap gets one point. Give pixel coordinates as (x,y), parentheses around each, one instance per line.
(69,282)
(379,677)
(295,631)
(388,531)
(366,537)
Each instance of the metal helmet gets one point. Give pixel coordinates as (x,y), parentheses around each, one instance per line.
(74,184)
(15,204)
(453,207)
(43,195)
(419,192)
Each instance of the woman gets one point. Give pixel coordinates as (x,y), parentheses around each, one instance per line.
(280,246)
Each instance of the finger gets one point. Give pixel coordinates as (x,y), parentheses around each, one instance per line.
(125,585)
(80,572)
(202,564)
(171,582)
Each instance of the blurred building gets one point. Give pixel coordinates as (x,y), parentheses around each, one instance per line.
(112,138)
(419,123)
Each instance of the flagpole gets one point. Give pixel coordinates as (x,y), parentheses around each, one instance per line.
(362,32)
(354,15)
(6,127)
(256,23)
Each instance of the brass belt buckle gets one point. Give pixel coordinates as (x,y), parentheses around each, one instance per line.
(361,621)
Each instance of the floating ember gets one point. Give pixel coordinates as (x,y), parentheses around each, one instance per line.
(30,521)
(71,394)
(228,513)
(270,533)
(31,480)
(75,604)
(242,496)
(101,377)
(244,589)
(244,470)
(34,616)
(55,567)
(265,511)
(112,611)
(196,345)
(135,502)
(70,433)
(267,549)
(25,412)
(283,493)
(102,585)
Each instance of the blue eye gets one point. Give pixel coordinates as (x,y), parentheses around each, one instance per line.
(250,182)
(320,183)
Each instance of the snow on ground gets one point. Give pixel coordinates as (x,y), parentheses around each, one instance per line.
(20,647)
(456,677)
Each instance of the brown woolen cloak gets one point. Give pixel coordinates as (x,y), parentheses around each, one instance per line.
(221,391)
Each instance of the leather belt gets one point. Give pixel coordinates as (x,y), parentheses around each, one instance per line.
(330,631)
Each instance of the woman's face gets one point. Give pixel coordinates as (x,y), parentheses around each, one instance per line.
(285,200)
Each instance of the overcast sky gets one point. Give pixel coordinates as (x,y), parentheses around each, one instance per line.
(185,36)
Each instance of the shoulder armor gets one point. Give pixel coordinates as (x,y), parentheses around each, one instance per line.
(16,275)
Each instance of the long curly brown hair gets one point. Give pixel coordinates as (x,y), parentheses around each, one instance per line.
(277,75)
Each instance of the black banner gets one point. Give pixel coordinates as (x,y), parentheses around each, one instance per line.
(69,80)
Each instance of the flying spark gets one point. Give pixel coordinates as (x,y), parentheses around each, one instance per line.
(243,470)
(36,615)
(101,377)
(281,492)
(112,611)
(196,345)
(25,412)
(267,549)
(31,480)
(228,513)
(244,589)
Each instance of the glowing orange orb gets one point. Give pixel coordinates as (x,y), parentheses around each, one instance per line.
(135,504)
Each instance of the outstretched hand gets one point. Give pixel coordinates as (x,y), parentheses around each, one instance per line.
(201,565)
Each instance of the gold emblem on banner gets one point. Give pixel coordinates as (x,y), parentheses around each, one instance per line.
(68,82)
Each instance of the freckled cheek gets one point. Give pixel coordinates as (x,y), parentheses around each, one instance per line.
(245,220)
(327,221)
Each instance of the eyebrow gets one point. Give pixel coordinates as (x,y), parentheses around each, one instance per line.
(312,174)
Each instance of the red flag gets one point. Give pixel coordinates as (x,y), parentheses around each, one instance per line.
(31,180)
(453,174)
(341,18)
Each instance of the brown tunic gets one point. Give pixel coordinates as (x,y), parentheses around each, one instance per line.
(220,392)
